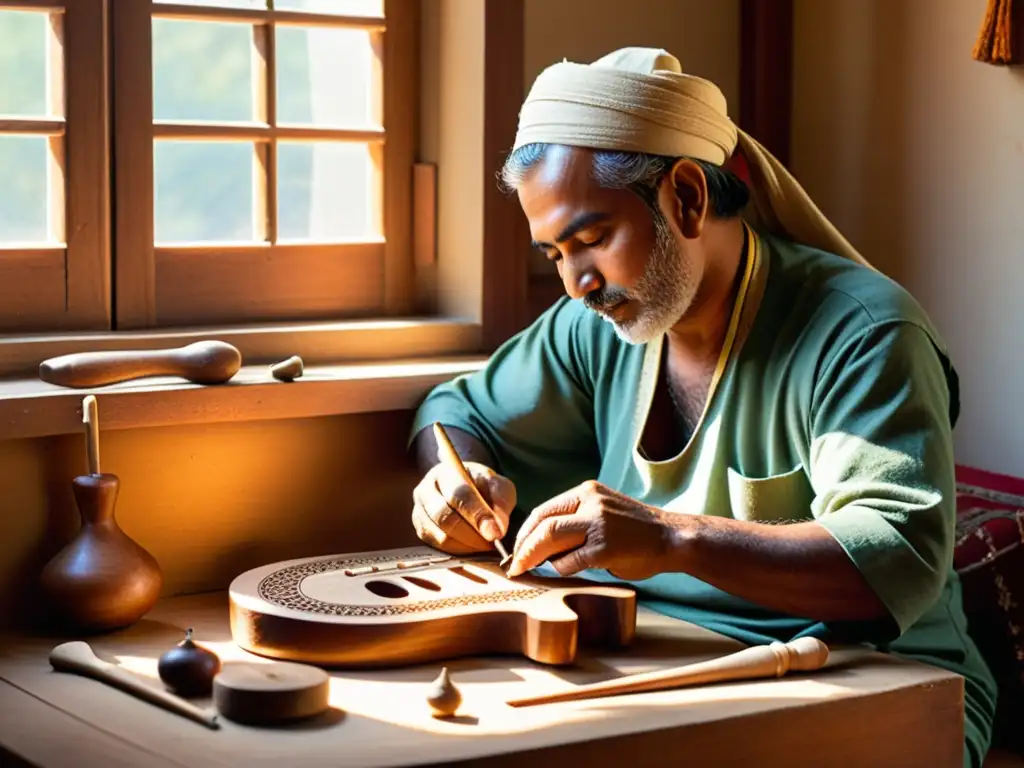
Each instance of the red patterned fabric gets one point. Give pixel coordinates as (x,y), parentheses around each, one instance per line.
(989,557)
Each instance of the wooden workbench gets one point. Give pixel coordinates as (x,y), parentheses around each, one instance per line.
(863,709)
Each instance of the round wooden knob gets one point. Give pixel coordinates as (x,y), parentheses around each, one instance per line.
(256,693)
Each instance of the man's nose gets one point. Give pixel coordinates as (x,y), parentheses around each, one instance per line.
(580,279)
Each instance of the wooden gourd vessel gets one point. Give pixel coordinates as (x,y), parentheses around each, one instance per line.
(102,580)
(409,606)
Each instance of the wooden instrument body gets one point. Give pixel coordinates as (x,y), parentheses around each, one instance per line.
(420,606)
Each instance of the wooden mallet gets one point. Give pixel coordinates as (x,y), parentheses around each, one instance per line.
(774,660)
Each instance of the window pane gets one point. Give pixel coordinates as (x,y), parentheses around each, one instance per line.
(257,4)
(202,70)
(324,77)
(340,7)
(204,191)
(23,192)
(326,191)
(23,63)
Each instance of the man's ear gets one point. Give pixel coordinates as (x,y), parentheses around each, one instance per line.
(684,196)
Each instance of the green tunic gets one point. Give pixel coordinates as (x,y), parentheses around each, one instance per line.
(835,402)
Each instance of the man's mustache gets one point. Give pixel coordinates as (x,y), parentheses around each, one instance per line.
(605,299)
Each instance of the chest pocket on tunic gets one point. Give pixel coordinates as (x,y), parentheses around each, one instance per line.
(775,499)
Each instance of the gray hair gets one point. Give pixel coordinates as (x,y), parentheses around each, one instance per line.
(637,172)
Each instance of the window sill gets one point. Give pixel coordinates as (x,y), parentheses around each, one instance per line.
(318,343)
(33,408)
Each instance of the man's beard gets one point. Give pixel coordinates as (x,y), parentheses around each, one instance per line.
(662,295)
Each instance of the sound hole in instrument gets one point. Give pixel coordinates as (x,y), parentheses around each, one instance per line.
(387,589)
(394,591)
(424,583)
(468,574)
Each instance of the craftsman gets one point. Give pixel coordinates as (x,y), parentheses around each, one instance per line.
(731,411)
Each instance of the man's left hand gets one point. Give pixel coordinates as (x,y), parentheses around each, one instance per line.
(592,526)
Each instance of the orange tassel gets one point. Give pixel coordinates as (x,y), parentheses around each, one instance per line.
(995,39)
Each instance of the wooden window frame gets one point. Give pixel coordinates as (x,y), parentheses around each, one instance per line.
(66,286)
(467,287)
(226,285)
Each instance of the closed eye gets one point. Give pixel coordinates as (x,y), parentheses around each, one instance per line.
(551,254)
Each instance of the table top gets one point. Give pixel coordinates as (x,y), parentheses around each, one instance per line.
(881,708)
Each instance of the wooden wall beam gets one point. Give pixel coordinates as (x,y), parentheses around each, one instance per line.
(506,242)
(766,73)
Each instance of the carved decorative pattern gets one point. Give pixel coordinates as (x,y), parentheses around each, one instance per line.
(283,588)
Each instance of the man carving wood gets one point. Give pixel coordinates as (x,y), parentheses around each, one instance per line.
(731,410)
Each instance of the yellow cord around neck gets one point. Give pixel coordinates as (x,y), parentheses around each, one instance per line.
(734,320)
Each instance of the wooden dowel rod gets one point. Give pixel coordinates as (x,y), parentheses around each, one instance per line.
(774,660)
(77,657)
(91,419)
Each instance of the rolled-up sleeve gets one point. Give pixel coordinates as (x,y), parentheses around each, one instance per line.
(882,462)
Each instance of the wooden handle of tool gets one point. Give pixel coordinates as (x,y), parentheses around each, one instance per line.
(202,362)
(774,660)
(91,419)
(451,457)
(77,657)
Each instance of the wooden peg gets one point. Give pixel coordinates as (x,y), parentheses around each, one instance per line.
(774,660)
(203,362)
(91,419)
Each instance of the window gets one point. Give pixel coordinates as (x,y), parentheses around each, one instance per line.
(54,257)
(250,163)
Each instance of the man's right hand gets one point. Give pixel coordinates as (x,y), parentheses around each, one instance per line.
(448,516)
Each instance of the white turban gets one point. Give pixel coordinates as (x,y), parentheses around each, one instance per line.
(639,100)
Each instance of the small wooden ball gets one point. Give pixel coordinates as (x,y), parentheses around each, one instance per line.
(188,669)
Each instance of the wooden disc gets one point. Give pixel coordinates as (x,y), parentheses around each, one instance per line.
(266,693)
